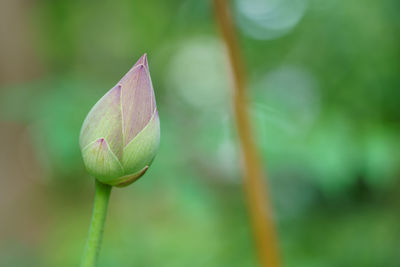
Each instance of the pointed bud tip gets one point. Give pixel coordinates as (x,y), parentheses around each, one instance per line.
(142,61)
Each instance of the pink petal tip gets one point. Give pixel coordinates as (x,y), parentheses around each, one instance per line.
(142,61)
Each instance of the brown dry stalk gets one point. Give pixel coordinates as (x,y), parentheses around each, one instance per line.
(254,182)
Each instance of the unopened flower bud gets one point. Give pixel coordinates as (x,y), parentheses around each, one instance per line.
(121,134)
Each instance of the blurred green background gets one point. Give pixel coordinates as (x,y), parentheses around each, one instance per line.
(324,84)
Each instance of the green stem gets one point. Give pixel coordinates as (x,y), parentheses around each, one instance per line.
(93,242)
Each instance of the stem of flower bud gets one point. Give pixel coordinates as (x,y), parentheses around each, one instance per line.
(99,214)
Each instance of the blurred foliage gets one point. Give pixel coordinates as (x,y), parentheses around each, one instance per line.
(324,83)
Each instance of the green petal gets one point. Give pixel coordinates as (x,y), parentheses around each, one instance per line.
(105,121)
(101,162)
(141,151)
(130,178)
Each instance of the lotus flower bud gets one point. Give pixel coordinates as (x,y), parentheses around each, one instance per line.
(121,134)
